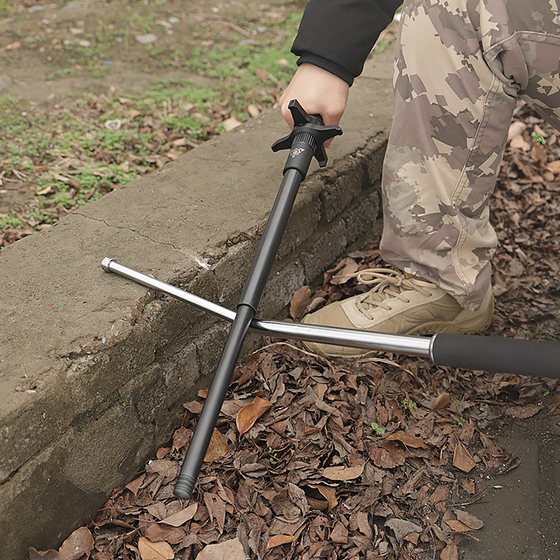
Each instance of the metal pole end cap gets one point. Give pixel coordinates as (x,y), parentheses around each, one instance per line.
(106,264)
(184,486)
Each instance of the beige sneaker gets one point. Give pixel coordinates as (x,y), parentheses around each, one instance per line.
(398,304)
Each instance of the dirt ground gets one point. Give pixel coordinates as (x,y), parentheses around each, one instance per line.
(42,69)
(53,54)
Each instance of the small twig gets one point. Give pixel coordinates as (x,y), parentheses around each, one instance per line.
(312,354)
(395,364)
(225,19)
(477,499)
(238,29)
(117,522)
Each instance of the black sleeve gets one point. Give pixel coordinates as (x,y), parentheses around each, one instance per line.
(338,35)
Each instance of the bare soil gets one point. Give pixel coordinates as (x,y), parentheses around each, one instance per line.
(31,71)
(54,53)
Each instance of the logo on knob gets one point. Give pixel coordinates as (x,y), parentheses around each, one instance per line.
(296,152)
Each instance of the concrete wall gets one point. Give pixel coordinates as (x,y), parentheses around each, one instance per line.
(94,369)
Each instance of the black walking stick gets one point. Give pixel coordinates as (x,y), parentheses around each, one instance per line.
(304,142)
(493,354)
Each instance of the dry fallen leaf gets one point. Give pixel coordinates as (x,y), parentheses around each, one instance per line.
(441,401)
(523,411)
(168,469)
(180,438)
(450,552)
(344,271)
(469,519)
(462,459)
(520,143)
(217,447)
(181,517)
(50,554)
(216,509)
(407,440)
(343,473)
(171,535)
(457,525)
(231,123)
(193,406)
(339,534)
(515,129)
(278,540)
(330,495)
(402,527)
(249,414)
(387,455)
(162,452)
(300,300)
(554,167)
(10,47)
(154,551)
(468,485)
(227,550)
(253,110)
(134,486)
(78,544)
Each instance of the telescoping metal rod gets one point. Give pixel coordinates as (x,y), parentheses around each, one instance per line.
(489,353)
(409,345)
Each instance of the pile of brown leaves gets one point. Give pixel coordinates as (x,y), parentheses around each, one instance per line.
(526,215)
(376,458)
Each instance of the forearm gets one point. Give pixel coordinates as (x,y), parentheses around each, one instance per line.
(338,35)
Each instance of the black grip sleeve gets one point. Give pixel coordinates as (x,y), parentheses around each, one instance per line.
(493,354)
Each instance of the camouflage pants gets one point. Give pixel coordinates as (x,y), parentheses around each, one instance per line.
(460,66)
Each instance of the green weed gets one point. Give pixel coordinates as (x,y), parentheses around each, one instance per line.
(10,222)
(542,334)
(377,430)
(408,404)
(272,455)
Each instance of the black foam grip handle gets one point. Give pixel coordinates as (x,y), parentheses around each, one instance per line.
(505,355)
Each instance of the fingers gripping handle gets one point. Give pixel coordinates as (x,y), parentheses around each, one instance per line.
(306,139)
(493,354)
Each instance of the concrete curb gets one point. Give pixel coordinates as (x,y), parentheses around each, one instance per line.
(94,369)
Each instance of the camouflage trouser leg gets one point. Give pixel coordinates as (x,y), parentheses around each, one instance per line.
(460,66)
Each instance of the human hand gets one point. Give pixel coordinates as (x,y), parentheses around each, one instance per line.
(319,92)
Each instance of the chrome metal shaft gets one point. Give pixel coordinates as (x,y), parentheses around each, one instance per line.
(409,345)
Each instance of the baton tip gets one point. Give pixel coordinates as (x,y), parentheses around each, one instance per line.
(184,487)
(106,264)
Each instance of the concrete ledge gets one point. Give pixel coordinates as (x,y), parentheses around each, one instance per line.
(94,369)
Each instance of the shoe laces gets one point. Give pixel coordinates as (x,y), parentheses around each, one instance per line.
(387,283)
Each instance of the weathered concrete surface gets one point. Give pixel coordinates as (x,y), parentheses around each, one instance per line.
(93,368)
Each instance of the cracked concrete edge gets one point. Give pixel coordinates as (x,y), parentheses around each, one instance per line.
(131,230)
(147,340)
